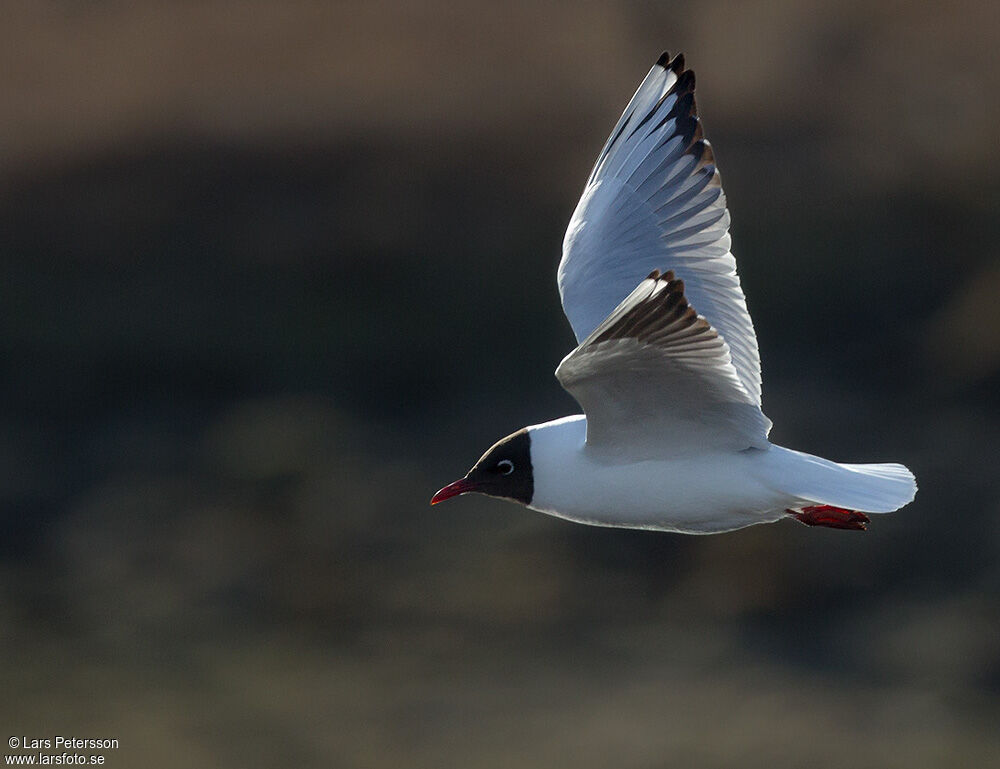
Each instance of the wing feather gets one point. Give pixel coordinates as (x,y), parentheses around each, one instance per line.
(656,378)
(654,199)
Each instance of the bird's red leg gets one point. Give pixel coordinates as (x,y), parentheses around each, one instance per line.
(832,517)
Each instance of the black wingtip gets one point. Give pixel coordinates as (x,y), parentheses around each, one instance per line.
(696,137)
(686,81)
(667,275)
(702,150)
(676,64)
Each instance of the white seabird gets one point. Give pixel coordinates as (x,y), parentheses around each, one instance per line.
(667,369)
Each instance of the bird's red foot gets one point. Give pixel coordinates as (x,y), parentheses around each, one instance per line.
(833,517)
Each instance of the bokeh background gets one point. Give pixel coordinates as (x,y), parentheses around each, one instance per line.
(272,273)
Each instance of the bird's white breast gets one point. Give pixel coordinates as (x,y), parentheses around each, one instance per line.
(700,493)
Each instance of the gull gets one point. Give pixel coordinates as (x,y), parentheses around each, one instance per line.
(667,370)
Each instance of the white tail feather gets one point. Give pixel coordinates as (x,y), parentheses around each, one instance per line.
(875,488)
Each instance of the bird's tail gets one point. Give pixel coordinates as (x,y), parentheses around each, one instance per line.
(875,488)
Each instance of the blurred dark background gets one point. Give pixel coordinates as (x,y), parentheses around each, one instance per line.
(272,273)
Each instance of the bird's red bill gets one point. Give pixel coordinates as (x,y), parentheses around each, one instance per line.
(461,486)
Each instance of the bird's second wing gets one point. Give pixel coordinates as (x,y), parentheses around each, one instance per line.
(655,379)
(654,200)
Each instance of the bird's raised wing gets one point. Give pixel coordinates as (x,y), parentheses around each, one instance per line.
(656,379)
(654,201)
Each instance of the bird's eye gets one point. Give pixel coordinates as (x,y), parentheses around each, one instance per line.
(505,466)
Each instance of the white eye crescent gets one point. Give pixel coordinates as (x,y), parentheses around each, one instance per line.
(505,466)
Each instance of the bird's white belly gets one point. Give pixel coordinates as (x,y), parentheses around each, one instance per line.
(701,493)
